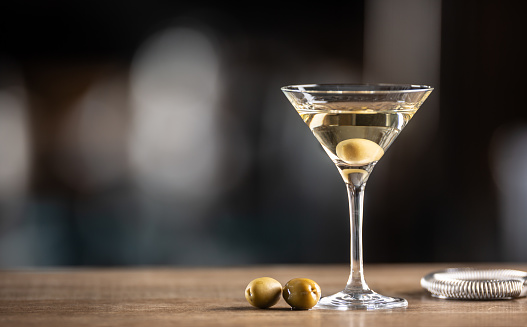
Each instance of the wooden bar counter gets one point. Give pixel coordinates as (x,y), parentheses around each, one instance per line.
(215,297)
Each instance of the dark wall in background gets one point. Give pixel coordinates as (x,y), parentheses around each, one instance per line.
(483,115)
(249,185)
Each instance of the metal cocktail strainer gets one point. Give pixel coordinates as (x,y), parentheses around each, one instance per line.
(476,284)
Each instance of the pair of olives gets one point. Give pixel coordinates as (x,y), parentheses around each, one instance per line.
(299,293)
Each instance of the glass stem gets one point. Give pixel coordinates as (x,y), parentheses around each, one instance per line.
(356,282)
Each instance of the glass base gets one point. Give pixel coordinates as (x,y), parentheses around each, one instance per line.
(363,300)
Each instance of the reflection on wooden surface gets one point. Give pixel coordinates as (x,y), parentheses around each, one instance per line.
(212,297)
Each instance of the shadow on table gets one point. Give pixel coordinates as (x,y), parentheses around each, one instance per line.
(250,308)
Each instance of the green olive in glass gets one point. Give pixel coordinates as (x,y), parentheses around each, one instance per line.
(301,293)
(263,292)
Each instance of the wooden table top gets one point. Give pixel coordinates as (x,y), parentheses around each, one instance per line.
(215,297)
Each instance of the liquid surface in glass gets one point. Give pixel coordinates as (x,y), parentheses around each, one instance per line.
(356,138)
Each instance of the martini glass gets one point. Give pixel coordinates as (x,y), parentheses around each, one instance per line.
(355,124)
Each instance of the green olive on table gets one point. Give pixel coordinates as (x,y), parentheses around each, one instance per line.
(301,293)
(263,292)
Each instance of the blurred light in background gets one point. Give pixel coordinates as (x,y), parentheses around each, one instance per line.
(93,137)
(175,89)
(402,44)
(508,158)
(14,166)
(177,143)
(14,145)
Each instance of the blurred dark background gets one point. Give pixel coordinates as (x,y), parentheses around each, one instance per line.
(155,132)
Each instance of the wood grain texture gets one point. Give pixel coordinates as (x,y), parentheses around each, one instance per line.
(215,297)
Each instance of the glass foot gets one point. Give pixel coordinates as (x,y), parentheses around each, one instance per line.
(365,300)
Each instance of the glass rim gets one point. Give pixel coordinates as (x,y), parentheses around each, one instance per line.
(347,88)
